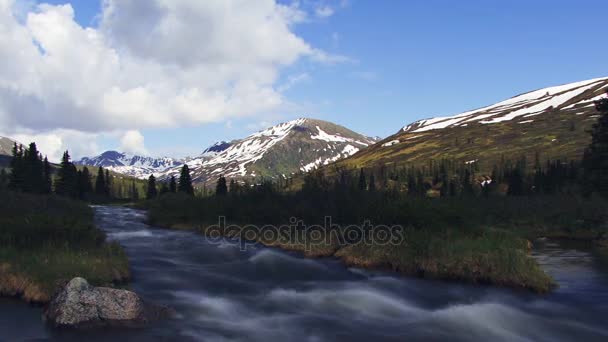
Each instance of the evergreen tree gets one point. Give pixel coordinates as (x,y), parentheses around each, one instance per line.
(221,188)
(3,179)
(172,185)
(362,181)
(134,194)
(185,182)
(100,182)
(372,182)
(108,190)
(33,169)
(85,188)
(16,180)
(164,188)
(48,180)
(67,178)
(595,160)
(151,192)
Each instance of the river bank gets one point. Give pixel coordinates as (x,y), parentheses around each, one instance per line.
(222,293)
(46,241)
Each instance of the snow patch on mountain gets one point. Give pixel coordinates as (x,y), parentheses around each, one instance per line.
(525,105)
(130,165)
(295,139)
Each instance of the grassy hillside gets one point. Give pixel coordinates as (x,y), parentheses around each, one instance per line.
(560,134)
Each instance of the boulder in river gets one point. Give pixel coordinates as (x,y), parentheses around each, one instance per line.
(79,304)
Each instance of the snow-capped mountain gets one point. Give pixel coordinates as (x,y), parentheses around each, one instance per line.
(130,165)
(552,123)
(281,150)
(522,107)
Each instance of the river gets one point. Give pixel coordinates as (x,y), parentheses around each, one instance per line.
(224,294)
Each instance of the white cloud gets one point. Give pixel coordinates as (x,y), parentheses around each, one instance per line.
(53,144)
(324,11)
(150,63)
(293,80)
(133,142)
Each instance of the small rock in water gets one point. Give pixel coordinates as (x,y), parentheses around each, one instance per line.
(79,304)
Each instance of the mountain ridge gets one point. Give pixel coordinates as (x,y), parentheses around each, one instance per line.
(279,151)
(552,122)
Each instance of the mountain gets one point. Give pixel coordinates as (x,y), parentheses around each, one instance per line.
(130,165)
(6,151)
(553,122)
(281,150)
(6,146)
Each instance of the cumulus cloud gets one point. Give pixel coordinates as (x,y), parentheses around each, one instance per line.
(133,142)
(149,63)
(53,144)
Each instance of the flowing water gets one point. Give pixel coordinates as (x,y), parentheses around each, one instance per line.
(224,294)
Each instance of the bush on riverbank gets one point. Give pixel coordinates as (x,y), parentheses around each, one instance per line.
(46,240)
(474,239)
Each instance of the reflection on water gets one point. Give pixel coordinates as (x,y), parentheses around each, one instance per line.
(224,294)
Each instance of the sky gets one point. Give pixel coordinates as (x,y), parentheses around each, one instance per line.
(171,77)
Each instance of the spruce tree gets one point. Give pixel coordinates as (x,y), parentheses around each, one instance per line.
(151,191)
(67,178)
(48,180)
(372,182)
(134,194)
(221,187)
(16,180)
(595,160)
(362,181)
(100,182)
(3,179)
(108,184)
(33,169)
(164,188)
(185,182)
(172,184)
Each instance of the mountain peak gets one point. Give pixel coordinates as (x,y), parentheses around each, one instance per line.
(283,149)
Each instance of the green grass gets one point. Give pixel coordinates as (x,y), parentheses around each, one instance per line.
(479,240)
(551,134)
(46,241)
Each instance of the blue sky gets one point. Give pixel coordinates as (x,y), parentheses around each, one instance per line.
(409,60)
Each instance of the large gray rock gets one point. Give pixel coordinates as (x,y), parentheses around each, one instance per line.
(79,304)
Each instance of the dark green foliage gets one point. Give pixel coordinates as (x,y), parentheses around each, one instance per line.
(100,183)
(85,187)
(362,181)
(66,183)
(372,182)
(164,188)
(172,184)
(108,180)
(151,191)
(221,188)
(46,240)
(133,192)
(3,179)
(595,160)
(185,181)
(29,173)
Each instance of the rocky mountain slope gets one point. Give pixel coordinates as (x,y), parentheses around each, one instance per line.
(130,165)
(6,146)
(278,151)
(551,121)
